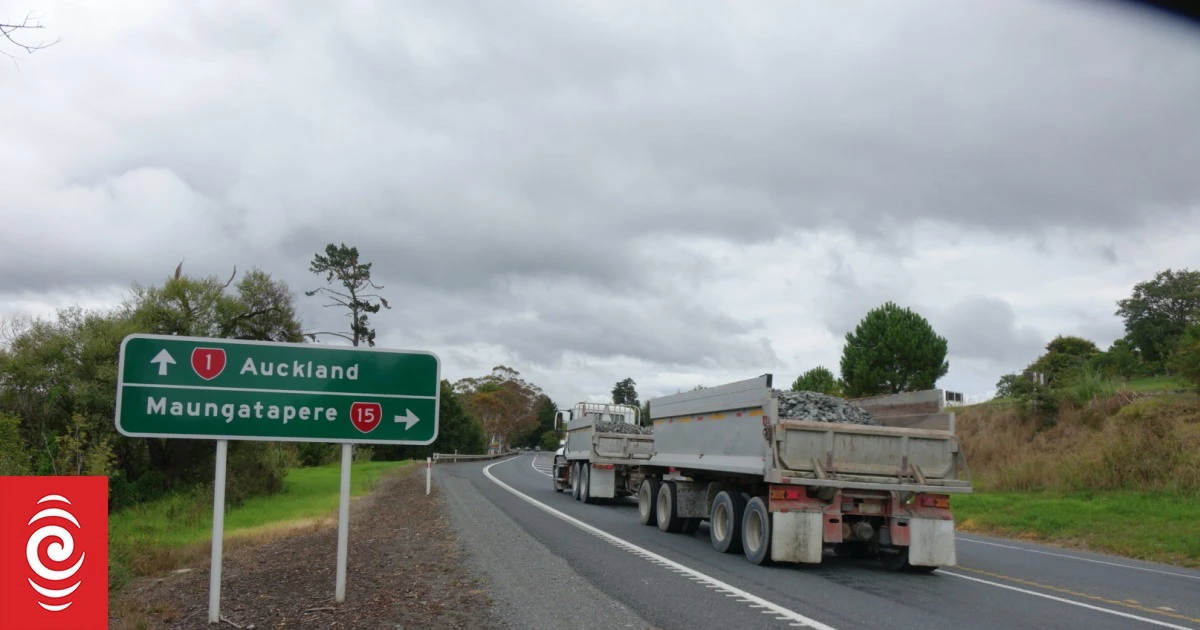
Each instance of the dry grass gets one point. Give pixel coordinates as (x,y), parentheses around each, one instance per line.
(1119,442)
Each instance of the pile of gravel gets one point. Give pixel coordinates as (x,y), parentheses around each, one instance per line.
(820,408)
(623,427)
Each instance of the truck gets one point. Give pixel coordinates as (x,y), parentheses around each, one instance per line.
(596,462)
(787,489)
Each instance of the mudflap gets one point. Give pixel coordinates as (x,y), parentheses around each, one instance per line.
(931,542)
(602,483)
(797,537)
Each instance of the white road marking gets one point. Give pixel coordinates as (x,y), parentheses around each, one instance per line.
(1065,601)
(1063,555)
(533,465)
(728,589)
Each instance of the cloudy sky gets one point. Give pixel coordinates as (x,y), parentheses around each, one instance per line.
(592,190)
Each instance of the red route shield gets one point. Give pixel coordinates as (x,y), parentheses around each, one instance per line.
(366,416)
(54,552)
(208,362)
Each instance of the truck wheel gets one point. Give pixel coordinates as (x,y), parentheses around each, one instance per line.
(668,517)
(756,532)
(648,501)
(585,484)
(725,523)
(575,481)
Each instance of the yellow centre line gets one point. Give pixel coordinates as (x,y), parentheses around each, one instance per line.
(1064,591)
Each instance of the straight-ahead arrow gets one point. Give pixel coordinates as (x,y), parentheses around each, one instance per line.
(162,359)
(409,419)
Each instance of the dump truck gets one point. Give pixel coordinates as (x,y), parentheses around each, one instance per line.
(603,447)
(781,487)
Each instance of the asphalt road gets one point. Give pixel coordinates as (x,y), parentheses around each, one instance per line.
(597,565)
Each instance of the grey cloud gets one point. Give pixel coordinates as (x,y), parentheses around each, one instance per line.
(985,329)
(667,332)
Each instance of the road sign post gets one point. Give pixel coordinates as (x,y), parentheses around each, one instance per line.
(227,389)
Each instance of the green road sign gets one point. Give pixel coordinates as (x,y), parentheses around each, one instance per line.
(225,389)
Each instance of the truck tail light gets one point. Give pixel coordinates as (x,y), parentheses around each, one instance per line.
(935,501)
(785,493)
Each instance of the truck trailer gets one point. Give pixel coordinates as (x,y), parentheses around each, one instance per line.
(602,450)
(785,489)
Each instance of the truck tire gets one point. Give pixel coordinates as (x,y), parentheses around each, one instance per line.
(585,483)
(575,481)
(648,501)
(725,522)
(668,516)
(756,532)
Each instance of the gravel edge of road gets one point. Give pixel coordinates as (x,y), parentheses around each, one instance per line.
(549,594)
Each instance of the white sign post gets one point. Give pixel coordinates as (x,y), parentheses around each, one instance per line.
(339,590)
(218,534)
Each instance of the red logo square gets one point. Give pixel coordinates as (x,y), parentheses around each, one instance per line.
(54,553)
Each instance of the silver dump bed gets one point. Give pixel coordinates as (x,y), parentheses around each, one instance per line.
(584,441)
(735,428)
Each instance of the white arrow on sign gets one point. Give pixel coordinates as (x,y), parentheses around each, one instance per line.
(162,359)
(409,419)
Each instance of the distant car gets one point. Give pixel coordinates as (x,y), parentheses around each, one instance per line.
(537,448)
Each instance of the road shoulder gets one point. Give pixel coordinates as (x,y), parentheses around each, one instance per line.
(532,587)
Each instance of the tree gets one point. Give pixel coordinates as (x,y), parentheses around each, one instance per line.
(1158,311)
(1185,358)
(59,379)
(819,379)
(892,350)
(1065,356)
(16,34)
(342,263)
(625,393)
(502,401)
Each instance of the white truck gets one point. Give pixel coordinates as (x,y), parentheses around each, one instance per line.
(596,461)
(780,489)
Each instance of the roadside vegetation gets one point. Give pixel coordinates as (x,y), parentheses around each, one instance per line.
(175,531)
(1098,448)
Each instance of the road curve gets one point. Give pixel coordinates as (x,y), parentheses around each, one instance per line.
(630,574)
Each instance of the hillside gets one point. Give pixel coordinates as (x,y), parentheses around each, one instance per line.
(1119,473)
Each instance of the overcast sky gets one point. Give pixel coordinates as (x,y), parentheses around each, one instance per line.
(587,191)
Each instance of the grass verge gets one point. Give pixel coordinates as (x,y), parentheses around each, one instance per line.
(176,531)
(1147,526)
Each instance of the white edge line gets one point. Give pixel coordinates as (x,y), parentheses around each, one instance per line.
(534,459)
(1065,601)
(636,550)
(236,390)
(1063,555)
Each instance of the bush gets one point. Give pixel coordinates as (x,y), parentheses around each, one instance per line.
(550,441)
(317,453)
(256,469)
(1185,360)
(14,457)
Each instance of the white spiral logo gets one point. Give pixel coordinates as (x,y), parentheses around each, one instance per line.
(58,551)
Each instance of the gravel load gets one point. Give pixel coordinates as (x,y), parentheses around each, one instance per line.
(623,427)
(820,408)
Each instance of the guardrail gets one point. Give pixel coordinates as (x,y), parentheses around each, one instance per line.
(455,457)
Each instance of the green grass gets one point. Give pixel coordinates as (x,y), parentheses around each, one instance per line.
(1157,384)
(1148,526)
(176,530)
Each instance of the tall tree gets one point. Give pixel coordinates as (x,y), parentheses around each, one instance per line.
(820,380)
(892,350)
(502,401)
(1158,311)
(354,279)
(625,393)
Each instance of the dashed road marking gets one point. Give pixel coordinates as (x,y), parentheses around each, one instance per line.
(783,614)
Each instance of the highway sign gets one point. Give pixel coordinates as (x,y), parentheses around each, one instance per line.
(227,389)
